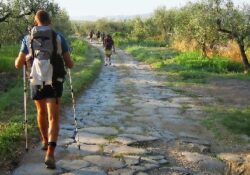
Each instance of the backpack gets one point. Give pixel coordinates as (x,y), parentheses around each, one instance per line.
(44,65)
(108,43)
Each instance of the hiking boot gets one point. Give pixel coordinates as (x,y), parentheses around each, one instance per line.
(50,162)
(44,146)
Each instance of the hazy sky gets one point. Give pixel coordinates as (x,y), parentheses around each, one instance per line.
(102,8)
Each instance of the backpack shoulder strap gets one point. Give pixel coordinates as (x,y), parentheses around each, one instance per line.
(54,42)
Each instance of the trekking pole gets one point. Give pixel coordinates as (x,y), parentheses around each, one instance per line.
(25,108)
(76,134)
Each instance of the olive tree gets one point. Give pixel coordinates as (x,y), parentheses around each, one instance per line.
(165,21)
(195,23)
(235,23)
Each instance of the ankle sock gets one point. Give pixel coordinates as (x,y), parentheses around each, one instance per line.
(51,148)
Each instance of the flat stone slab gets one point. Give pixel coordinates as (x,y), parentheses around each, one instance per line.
(100,130)
(92,139)
(204,162)
(139,138)
(71,165)
(87,171)
(123,149)
(124,171)
(131,160)
(36,168)
(64,142)
(105,162)
(132,130)
(84,149)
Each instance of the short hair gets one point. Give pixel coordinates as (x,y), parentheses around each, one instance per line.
(43,17)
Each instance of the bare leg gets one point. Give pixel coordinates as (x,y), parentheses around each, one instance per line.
(42,119)
(53,107)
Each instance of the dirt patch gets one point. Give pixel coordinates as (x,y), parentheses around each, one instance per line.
(227,91)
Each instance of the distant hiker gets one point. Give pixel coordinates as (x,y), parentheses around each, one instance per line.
(44,52)
(103,37)
(108,47)
(91,33)
(98,35)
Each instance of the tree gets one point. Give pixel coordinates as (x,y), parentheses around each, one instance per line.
(165,21)
(138,31)
(196,24)
(235,23)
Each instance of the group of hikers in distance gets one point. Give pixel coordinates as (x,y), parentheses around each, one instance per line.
(107,43)
(44,56)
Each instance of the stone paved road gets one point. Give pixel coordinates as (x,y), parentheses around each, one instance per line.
(130,123)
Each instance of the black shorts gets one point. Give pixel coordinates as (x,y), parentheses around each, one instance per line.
(48,91)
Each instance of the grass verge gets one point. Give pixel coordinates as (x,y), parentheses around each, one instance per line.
(191,69)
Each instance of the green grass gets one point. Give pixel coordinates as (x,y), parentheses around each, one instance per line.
(234,120)
(87,67)
(8,55)
(188,67)
(191,68)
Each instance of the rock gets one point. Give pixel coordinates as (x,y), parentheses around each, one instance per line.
(123,149)
(100,130)
(92,139)
(204,162)
(124,171)
(70,165)
(139,138)
(36,168)
(105,162)
(131,160)
(237,163)
(84,150)
(87,171)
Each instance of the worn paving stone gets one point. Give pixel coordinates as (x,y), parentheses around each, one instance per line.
(132,130)
(87,171)
(84,149)
(92,138)
(123,171)
(123,149)
(131,160)
(139,138)
(204,162)
(36,169)
(105,162)
(100,130)
(71,165)
(64,142)
(125,140)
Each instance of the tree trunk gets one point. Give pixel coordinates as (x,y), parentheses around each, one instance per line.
(243,55)
(204,50)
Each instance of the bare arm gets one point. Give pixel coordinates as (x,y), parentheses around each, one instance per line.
(20,60)
(68,61)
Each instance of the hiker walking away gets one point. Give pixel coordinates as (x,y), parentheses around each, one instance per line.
(102,38)
(44,52)
(98,35)
(91,33)
(108,47)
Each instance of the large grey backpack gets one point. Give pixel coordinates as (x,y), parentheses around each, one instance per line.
(46,65)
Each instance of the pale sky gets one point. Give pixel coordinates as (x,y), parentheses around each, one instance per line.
(104,8)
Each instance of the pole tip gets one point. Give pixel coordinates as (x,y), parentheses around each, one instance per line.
(79,147)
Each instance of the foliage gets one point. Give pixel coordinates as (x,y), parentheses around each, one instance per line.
(16,16)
